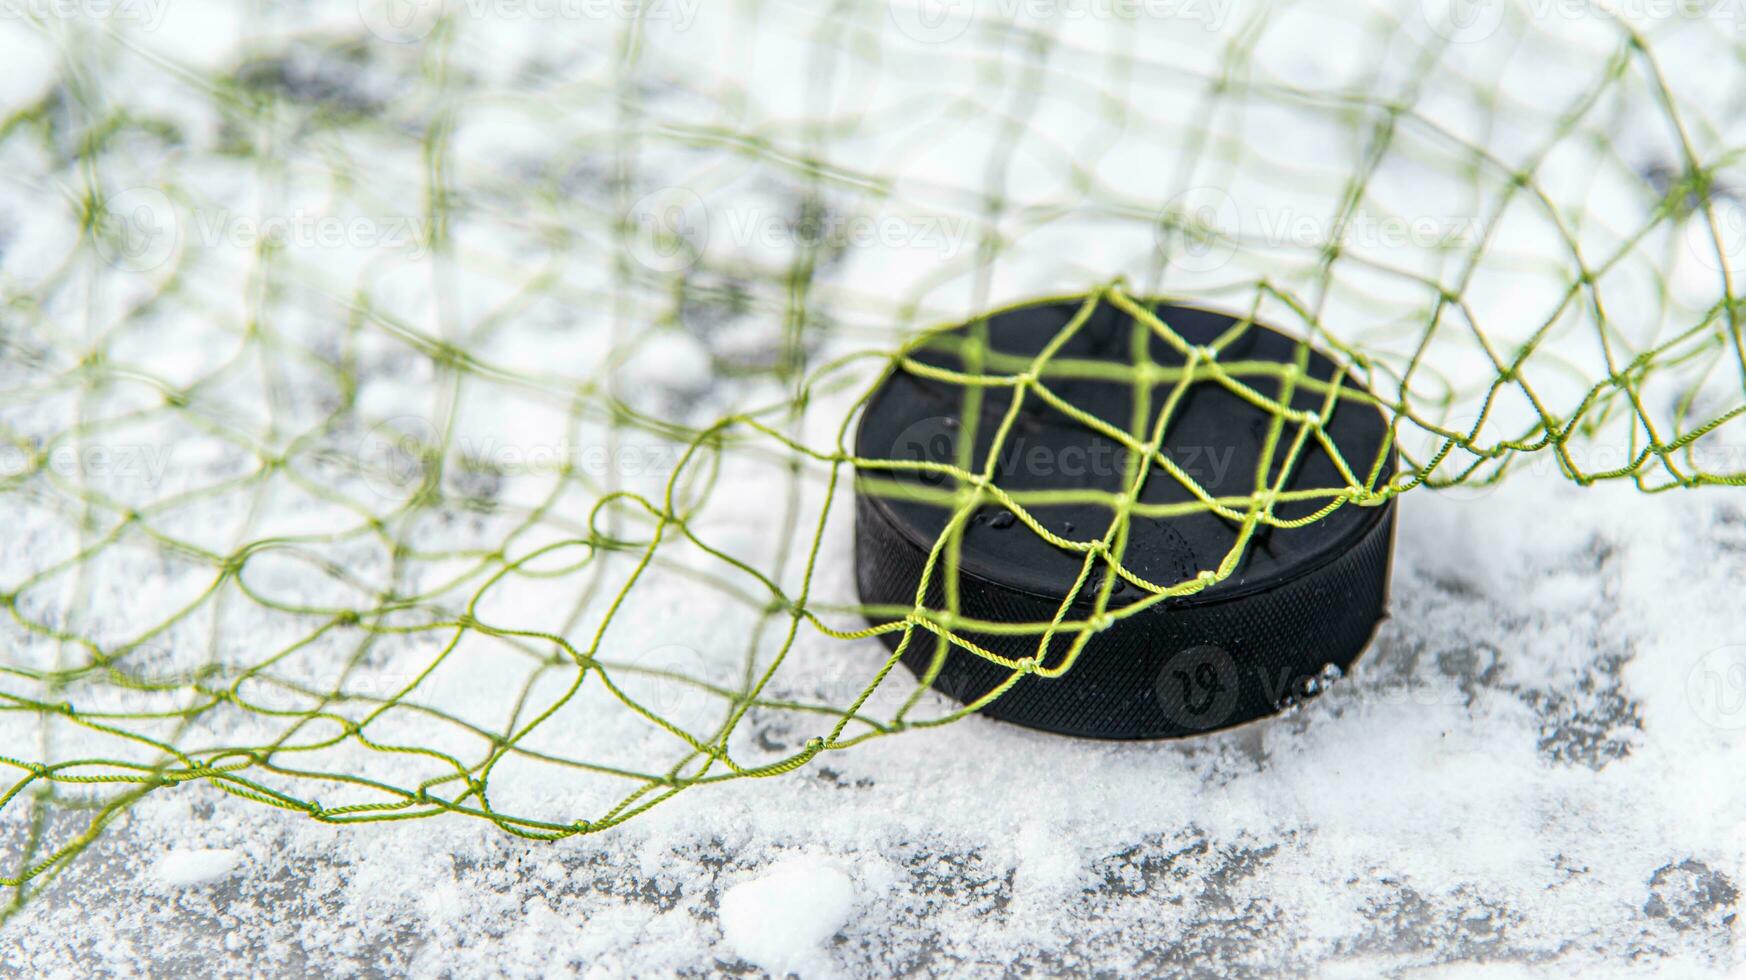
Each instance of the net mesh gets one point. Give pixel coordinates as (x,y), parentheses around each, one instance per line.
(414,411)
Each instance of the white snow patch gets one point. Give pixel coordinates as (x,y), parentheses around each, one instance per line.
(198,866)
(781,919)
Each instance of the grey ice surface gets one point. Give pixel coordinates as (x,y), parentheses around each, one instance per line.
(1537,768)
(1497,786)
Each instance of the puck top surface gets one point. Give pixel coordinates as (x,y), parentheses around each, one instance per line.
(1107,369)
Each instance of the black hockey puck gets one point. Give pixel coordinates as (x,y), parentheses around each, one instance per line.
(1298,605)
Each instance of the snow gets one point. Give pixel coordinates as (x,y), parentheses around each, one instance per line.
(199,866)
(780,919)
(1491,784)
(1534,770)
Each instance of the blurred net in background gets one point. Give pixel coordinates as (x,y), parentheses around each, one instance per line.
(413,409)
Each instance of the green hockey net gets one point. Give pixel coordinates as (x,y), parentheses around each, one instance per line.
(409,413)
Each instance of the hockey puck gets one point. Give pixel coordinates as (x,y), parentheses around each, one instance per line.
(1296,603)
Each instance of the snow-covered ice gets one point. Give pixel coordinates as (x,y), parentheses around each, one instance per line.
(1535,770)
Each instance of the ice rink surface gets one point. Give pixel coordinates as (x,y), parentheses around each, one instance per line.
(1514,779)
(555,248)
